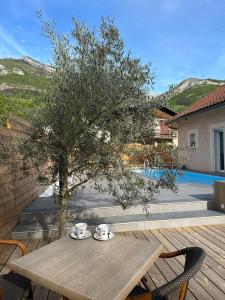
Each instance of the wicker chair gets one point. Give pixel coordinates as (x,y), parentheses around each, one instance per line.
(12,285)
(177,288)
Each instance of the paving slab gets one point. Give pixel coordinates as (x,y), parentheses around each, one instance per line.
(89,197)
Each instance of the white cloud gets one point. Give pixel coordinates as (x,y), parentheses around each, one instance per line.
(23,41)
(7,38)
(18,28)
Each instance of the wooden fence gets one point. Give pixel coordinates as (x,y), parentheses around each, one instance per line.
(17,190)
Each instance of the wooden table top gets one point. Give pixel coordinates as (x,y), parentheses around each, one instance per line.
(90,269)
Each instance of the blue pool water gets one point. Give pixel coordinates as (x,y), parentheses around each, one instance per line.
(182,176)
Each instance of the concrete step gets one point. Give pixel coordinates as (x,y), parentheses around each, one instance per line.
(128,223)
(48,216)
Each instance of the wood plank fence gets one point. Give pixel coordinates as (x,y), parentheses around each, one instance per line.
(17,189)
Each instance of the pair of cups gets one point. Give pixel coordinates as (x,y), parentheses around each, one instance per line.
(102,230)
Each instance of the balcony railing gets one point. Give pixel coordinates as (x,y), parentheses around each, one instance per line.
(165,133)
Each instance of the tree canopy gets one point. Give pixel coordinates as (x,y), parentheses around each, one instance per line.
(96,103)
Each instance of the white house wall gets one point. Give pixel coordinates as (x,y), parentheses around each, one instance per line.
(200,158)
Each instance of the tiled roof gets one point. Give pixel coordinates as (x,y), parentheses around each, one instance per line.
(213,98)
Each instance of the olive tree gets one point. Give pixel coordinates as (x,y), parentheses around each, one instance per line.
(96,103)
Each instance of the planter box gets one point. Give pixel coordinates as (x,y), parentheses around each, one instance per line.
(219,193)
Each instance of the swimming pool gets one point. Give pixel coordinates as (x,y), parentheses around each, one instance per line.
(182,176)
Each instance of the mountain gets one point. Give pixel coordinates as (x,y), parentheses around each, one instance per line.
(22,82)
(35,63)
(191,90)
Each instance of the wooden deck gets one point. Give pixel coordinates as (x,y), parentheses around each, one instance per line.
(209,283)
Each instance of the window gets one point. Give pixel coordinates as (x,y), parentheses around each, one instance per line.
(192,139)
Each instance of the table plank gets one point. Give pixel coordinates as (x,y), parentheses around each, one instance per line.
(90,269)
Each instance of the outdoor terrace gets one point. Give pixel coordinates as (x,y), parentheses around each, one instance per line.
(209,283)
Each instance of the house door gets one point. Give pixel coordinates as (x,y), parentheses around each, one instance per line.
(219,149)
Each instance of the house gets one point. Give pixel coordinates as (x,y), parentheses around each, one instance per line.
(162,132)
(201,130)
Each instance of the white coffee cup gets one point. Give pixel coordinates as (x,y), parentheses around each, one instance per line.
(80,229)
(102,231)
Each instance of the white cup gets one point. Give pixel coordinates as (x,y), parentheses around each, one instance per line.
(102,231)
(80,229)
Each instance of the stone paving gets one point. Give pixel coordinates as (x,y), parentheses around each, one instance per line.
(90,198)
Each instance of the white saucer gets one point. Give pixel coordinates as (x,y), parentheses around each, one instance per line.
(110,236)
(87,235)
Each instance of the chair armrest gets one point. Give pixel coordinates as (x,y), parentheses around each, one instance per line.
(173,254)
(16,243)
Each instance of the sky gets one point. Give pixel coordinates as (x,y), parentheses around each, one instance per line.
(180,38)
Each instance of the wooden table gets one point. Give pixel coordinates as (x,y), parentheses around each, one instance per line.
(90,269)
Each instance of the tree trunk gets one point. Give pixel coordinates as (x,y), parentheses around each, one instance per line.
(63,196)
